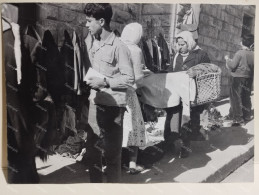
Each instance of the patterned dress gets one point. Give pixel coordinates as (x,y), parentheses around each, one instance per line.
(134,133)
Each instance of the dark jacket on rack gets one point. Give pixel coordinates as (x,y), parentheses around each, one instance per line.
(25,87)
(146,54)
(155,56)
(165,54)
(55,69)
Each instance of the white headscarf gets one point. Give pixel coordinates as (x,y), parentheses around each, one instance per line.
(132,33)
(188,38)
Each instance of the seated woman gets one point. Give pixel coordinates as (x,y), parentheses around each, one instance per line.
(188,55)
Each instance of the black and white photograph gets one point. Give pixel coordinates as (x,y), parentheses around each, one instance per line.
(128,93)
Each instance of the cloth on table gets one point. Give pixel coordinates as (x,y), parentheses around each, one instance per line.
(167,90)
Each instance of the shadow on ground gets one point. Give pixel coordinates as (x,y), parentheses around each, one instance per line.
(166,169)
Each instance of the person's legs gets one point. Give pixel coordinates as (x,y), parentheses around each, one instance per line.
(112,128)
(231,101)
(172,123)
(94,147)
(172,126)
(246,99)
(237,87)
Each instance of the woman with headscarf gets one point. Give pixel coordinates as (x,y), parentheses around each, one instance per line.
(188,54)
(134,134)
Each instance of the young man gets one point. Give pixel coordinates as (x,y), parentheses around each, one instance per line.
(111,58)
(242,70)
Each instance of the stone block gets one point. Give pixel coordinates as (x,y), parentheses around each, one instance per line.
(238,22)
(206,19)
(208,31)
(67,15)
(119,6)
(81,20)
(158,20)
(134,9)
(51,25)
(120,16)
(230,28)
(223,15)
(222,45)
(217,23)
(207,8)
(232,10)
(229,19)
(61,27)
(71,6)
(46,11)
(214,54)
(156,9)
(225,36)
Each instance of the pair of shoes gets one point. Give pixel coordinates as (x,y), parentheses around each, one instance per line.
(184,153)
(236,123)
(136,170)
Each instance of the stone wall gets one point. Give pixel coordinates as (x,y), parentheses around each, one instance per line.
(220,28)
(57,17)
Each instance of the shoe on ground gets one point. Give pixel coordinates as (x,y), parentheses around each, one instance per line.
(136,170)
(184,153)
(238,123)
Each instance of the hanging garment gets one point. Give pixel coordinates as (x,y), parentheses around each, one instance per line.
(149,44)
(55,69)
(80,64)
(67,60)
(25,87)
(146,54)
(189,23)
(165,54)
(155,56)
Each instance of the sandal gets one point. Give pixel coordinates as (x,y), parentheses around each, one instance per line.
(136,170)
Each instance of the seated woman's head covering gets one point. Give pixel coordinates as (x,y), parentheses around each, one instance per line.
(132,33)
(188,38)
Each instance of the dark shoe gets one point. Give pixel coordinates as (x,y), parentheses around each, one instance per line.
(238,123)
(136,170)
(184,153)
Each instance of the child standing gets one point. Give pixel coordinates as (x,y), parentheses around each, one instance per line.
(241,67)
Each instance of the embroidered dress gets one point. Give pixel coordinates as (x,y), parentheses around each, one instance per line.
(134,133)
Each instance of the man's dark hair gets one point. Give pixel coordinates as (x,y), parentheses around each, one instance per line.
(247,40)
(98,11)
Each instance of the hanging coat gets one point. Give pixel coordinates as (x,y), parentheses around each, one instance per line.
(25,87)
(165,54)
(55,69)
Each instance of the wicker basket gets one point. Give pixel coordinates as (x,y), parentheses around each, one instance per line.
(208,87)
